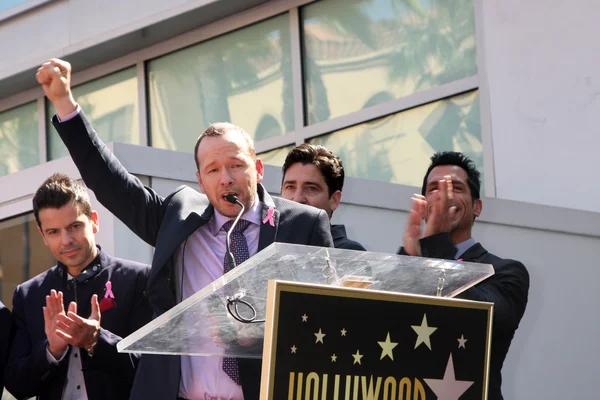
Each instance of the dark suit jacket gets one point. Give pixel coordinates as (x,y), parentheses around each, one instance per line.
(166,223)
(507,289)
(341,241)
(107,374)
(5,323)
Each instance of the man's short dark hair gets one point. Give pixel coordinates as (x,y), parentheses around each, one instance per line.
(460,160)
(220,129)
(327,163)
(58,191)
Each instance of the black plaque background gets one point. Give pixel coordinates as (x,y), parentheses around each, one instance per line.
(367,322)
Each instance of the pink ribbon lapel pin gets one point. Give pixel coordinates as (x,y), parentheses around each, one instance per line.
(108,301)
(269,217)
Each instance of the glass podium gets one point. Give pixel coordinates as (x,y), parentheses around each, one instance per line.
(225,317)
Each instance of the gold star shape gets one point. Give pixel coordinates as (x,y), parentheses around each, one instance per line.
(293,348)
(461,342)
(423,332)
(448,388)
(343,331)
(387,347)
(305,318)
(320,335)
(333,358)
(357,357)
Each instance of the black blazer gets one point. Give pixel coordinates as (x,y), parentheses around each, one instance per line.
(5,323)
(107,374)
(507,289)
(341,241)
(166,223)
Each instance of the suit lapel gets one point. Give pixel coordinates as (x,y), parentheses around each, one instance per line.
(268,232)
(474,253)
(175,232)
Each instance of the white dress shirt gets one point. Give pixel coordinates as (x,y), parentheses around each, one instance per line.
(203,377)
(75,384)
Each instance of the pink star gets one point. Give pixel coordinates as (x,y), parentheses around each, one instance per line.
(448,388)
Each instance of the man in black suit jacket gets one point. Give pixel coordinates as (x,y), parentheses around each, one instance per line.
(314,175)
(449,203)
(5,323)
(182,227)
(57,351)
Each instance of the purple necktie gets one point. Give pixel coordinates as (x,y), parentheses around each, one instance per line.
(239,249)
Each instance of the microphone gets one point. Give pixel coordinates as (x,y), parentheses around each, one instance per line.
(232,198)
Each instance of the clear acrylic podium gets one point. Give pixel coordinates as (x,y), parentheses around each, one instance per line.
(204,325)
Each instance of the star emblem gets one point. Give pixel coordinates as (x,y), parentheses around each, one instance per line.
(320,335)
(343,331)
(461,342)
(387,347)
(293,349)
(448,388)
(424,332)
(357,358)
(333,358)
(305,318)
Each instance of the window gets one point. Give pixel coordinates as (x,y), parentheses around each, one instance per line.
(19,144)
(243,77)
(111,105)
(355,50)
(397,148)
(275,157)
(23,254)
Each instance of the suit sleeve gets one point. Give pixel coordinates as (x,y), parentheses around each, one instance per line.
(28,371)
(5,327)
(106,357)
(321,232)
(139,207)
(439,245)
(351,245)
(508,289)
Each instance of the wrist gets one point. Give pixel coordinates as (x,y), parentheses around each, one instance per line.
(56,351)
(65,105)
(91,344)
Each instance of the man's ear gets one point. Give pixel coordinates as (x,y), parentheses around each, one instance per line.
(95,222)
(260,170)
(43,236)
(334,200)
(477,207)
(200,181)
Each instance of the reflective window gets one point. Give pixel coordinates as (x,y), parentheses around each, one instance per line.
(23,254)
(110,104)
(243,77)
(361,53)
(397,148)
(19,144)
(275,157)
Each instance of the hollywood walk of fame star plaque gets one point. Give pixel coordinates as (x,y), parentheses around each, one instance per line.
(334,343)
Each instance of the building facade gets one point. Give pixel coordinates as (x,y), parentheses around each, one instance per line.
(382,83)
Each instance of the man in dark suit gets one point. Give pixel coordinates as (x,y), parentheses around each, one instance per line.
(5,323)
(314,175)
(450,203)
(67,321)
(188,231)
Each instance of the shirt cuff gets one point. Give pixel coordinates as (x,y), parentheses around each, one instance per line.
(70,115)
(53,360)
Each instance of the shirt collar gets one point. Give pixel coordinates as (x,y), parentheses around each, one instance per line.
(251,215)
(463,246)
(94,267)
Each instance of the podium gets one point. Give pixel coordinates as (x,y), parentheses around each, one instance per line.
(227,317)
(362,325)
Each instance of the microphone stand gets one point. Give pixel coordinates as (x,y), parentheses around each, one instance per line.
(230,261)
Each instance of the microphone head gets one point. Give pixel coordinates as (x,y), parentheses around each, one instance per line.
(232,198)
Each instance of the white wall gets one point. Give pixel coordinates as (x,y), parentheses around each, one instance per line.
(542,67)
